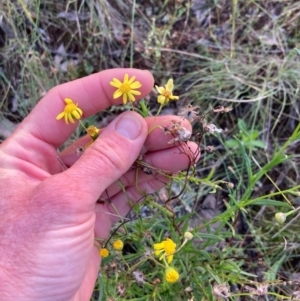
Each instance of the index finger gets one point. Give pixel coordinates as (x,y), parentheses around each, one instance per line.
(92,93)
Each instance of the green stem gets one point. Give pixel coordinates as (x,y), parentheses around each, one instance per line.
(158,112)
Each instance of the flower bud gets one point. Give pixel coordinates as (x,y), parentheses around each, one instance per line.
(104,252)
(230,185)
(171,275)
(188,235)
(280,217)
(118,245)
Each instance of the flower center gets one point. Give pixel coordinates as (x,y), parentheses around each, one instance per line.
(70,108)
(167,94)
(169,247)
(125,88)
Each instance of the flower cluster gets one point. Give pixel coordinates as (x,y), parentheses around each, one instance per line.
(128,90)
(166,250)
(117,245)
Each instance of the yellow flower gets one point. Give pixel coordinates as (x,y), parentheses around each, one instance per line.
(103,252)
(93,132)
(118,245)
(167,247)
(126,89)
(171,275)
(71,111)
(166,93)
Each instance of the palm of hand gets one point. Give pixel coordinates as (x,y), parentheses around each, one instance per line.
(49,232)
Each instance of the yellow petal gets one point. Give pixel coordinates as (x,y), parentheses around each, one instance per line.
(124,98)
(66,119)
(160,90)
(79,111)
(71,118)
(157,252)
(115,83)
(68,101)
(75,114)
(60,115)
(174,97)
(135,85)
(159,245)
(161,99)
(135,92)
(125,78)
(117,94)
(169,258)
(130,96)
(131,80)
(170,85)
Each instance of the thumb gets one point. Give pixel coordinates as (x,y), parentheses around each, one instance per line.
(110,156)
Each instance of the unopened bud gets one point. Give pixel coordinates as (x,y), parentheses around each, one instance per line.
(280,217)
(188,235)
(230,185)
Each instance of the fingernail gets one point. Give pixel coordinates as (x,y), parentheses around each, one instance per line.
(129,127)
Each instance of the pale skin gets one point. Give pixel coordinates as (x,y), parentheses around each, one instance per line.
(49,217)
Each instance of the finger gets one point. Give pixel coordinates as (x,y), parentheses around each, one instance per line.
(156,140)
(159,165)
(92,93)
(132,178)
(106,159)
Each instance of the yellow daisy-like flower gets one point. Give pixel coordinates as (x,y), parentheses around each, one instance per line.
(127,88)
(104,252)
(171,275)
(118,245)
(167,247)
(70,111)
(93,132)
(166,94)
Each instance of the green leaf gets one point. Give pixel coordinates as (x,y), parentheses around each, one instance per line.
(231,143)
(268,202)
(242,126)
(210,236)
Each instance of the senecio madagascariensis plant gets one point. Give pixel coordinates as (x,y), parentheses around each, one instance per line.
(70,111)
(167,248)
(126,89)
(118,245)
(166,93)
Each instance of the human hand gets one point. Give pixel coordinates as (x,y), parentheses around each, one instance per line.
(50,217)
